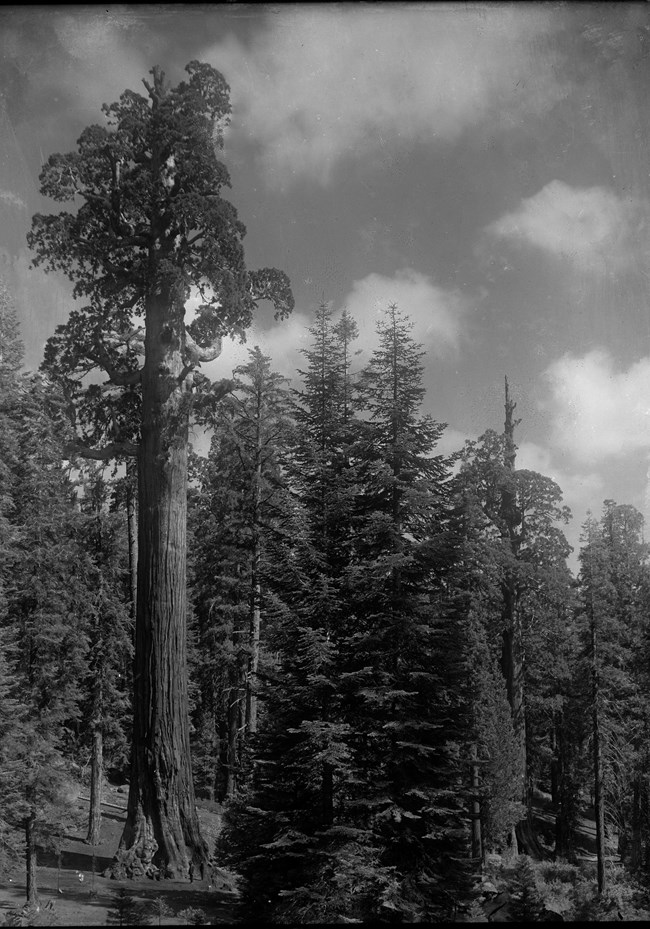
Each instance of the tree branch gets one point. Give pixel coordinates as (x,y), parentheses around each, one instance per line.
(105,453)
(124,378)
(196,354)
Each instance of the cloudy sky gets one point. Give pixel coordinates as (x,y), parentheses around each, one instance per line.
(484,166)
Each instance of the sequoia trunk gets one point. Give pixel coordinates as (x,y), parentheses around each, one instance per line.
(131,523)
(162,829)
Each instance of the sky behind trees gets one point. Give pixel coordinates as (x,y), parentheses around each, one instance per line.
(483,166)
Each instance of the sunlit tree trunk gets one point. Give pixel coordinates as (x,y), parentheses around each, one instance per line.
(162,824)
(31,891)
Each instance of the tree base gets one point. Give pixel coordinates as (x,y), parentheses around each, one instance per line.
(528,843)
(141,856)
(129,865)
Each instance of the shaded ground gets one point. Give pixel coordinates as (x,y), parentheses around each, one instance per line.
(80,896)
(585,833)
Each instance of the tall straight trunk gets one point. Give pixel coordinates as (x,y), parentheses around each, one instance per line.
(31,890)
(599,799)
(559,791)
(96,784)
(162,828)
(132,532)
(236,724)
(232,751)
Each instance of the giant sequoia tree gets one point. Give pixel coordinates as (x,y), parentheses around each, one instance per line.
(149,225)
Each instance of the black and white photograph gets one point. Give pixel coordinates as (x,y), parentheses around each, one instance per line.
(324,463)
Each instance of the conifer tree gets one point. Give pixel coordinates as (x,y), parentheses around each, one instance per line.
(398,635)
(151,225)
(611,620)
(524,513)
(318,860)
(106,702)
(44,590)
(237,509)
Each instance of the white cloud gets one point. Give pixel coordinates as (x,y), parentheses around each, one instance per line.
(282,343)
(7,196)
(591,227)
(579,488)
(596,411)
(324,82)
(436,313)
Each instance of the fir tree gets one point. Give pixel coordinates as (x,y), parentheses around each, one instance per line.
(237,511)
(405,710)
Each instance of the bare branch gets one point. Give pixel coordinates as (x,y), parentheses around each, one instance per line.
(105,453)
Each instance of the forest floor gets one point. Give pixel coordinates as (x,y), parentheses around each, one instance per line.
(586,832)
(82,897)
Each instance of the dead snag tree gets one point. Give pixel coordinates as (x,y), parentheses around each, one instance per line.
(150,226)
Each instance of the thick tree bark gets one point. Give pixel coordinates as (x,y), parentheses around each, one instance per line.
(132,533)
(162,828)
(31,890)
(96,779)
